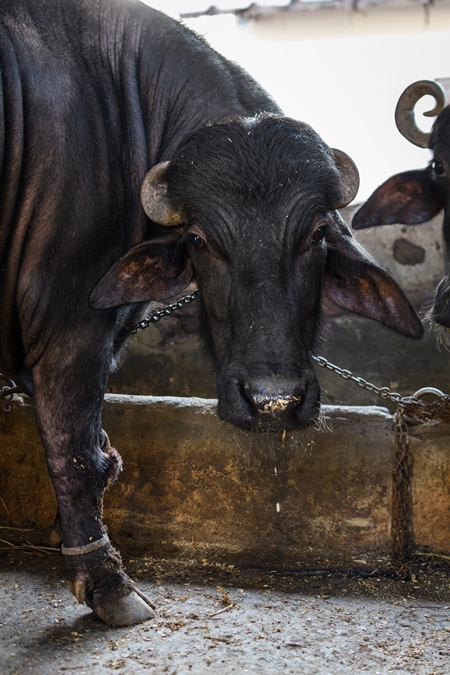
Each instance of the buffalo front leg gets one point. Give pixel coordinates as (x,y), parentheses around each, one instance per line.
(68,392)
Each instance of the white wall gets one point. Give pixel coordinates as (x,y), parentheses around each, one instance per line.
(343,72)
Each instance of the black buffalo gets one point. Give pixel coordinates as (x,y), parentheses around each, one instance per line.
(94,94)
(414,197)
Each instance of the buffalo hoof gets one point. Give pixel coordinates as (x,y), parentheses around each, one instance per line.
(98,580)
(124,611)
(122,605)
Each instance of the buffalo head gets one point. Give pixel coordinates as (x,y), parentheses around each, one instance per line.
(252,204)
(414,197)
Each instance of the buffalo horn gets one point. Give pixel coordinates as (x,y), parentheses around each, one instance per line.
(154,197)
(349,178)
(404,112)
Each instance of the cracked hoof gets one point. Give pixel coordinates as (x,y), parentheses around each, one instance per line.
(125,610)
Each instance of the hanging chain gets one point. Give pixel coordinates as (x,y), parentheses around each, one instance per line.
(411,410)
(401,511)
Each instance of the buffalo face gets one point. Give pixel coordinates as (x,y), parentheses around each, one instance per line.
(415,197)
(412,198)
(254,204)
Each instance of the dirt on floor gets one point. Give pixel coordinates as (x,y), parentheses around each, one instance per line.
(224,619)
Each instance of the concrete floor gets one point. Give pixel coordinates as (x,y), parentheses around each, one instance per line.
(219,619)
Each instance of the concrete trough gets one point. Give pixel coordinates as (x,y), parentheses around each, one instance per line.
(196,486)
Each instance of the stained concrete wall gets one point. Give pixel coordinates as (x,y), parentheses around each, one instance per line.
(194,485)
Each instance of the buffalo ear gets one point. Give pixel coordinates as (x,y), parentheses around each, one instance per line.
(408,198)
(146,272)
(354,281)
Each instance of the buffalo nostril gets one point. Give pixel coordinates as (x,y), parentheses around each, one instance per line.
(272,402)
(269,403)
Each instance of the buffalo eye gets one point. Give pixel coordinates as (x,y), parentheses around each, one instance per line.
(196,240)
(438,168)
(320,233)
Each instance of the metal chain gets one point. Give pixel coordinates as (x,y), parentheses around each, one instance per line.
(415,410)
(401,507)
(383,392)
(157,316)
(410,410)
(7,392)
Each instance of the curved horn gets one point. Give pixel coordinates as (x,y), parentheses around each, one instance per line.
(349,177)
(404,112)
(154,197)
